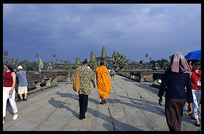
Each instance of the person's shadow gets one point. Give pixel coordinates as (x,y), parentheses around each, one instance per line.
(74,96)
(118,126)
(60,104)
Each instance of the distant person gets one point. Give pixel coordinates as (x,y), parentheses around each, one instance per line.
(9,81)
(103,82)
(196,90)
(86,75)
(173,83)
(22,84)
(112,72)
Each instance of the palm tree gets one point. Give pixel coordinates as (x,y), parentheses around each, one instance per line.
(54,56)
(5,54)
(146,55)
(36,55)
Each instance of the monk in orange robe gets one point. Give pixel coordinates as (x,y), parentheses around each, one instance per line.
(103,82)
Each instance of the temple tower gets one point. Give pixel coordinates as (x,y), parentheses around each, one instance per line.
(93,55)
(77,60)
(114,54)
(103,53)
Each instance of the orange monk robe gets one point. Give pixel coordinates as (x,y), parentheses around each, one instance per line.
(103,82)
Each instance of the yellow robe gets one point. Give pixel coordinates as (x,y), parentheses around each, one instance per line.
(103,82)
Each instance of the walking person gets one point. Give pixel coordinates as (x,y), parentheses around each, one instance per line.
(196,91)
(112,71)
(9,81)
(176,77)
(22,84)
(103,82)
(86,75)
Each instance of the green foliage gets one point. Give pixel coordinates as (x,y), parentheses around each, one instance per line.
(54,55)
(133,62)
(140,65)
(36,55)
(29,66)
(75,66)
(163,63)
(146,55)
(93,64)
(45,65)
(5,53)
(68,67)
(152,62)
(119,62)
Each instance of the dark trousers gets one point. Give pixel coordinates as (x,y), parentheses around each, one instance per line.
(174,112)
(83,103)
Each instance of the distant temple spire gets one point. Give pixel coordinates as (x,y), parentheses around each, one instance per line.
(93,55)
(77,60)
(103,53)
(114,53)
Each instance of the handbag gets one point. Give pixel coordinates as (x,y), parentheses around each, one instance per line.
(76,82)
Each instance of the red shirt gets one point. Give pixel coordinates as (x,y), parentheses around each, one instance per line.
(195,77)
(8,80)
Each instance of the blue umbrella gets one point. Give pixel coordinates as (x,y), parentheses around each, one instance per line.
(194,55)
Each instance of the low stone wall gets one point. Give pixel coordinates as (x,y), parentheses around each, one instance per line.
(46,79)
(142,76)
(62,78)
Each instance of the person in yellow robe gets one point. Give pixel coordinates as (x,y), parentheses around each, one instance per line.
(103,82)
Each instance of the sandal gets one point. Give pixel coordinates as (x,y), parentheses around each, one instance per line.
(197,123)
(103,102)
(83,118)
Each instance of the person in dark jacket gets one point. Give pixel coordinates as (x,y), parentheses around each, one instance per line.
(173,83)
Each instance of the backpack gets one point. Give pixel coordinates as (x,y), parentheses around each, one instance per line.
(76,82)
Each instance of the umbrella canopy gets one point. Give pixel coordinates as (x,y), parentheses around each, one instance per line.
(194,55)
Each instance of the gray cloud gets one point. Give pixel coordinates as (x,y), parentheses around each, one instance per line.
(74,30)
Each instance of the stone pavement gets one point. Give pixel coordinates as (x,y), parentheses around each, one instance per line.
(132,106)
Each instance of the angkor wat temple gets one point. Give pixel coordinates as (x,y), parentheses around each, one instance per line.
(103,56)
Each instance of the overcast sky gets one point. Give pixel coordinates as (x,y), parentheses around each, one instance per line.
(74,30)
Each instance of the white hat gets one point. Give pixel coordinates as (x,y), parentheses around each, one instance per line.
(20,67)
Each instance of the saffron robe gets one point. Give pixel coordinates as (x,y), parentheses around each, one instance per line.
(103,82)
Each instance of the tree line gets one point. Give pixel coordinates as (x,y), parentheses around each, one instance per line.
(118,62)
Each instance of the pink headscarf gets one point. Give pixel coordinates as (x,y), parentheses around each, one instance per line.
(175,65)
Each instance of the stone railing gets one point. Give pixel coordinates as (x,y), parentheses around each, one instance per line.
(142,76)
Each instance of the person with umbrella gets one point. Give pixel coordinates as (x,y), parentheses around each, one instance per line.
(194,55)
(196,90)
